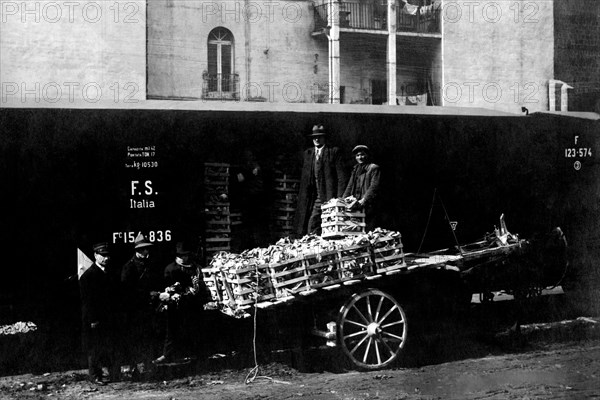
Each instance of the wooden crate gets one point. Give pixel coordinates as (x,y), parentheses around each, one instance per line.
(216,180)
(337,221)
(250,284)
(289,277)
(342,216)
(216,168)
(287,185)
(388,254)
(323,269)
(216,244)
(340,228)
(214,282)
(236,219)
(211,208)
(356,262)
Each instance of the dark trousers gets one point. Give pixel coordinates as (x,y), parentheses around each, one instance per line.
(101,353)
(138,337)
(182,334)
(314,222)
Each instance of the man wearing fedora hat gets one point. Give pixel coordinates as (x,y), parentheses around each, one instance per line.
(139,277)
(99,292)
(364,185)
(181,334)
(322,179)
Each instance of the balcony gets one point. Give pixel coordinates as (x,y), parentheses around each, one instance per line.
(221,87)
(419,19)
(373,16)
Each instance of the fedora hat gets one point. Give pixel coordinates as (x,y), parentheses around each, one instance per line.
(318,130)
(101,248)
(141,242)
(182,249)
(360,147)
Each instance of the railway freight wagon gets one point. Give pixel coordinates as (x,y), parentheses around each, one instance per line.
(171,170)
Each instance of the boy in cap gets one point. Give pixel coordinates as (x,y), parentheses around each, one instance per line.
(98,293)
(364,185)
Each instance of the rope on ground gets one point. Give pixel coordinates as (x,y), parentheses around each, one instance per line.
(254,372)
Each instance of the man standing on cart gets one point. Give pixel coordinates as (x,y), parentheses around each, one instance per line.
(364,185)
(323,178)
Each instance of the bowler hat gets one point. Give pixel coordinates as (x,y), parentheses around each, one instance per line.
(360,147)
(101,248)
(182,249)
(141,242)
(318,130)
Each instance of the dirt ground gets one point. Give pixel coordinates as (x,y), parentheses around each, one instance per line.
(555,359)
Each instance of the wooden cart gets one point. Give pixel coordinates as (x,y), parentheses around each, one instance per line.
(364,290)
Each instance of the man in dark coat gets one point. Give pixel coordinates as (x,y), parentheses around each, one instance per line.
(99,291)
(364,185)
(323,178)
(182,319)
(139,277)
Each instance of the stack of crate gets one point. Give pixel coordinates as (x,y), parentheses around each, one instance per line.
(218,216)
(337,221)
(286,192)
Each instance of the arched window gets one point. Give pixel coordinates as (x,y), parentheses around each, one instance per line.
(220,61)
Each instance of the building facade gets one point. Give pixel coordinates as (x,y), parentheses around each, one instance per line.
(497,55)
(500,55)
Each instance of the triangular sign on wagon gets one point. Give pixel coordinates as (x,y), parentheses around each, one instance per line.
(83,263)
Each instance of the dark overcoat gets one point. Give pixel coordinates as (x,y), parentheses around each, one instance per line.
(364,185)
(98,296)
(331,186)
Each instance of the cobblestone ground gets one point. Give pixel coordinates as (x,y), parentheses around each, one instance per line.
(557,358)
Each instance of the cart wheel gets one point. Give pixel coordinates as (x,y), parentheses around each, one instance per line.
(372,329)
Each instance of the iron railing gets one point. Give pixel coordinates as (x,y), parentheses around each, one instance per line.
(373,16)
(419,19)
(221,87)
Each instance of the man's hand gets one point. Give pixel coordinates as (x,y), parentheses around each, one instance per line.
(355,205)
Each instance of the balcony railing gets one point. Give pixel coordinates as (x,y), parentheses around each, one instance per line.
(373,16)
(221,87)
(419,19)
(354,15)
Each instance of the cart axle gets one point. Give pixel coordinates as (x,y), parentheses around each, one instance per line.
(330,334)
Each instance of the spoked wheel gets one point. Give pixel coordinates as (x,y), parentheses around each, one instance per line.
(372,329)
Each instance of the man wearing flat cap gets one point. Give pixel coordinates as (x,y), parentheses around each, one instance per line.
(98,287)
(364,185)
(323,178)
(139,277)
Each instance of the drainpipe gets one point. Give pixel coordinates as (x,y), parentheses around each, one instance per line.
(247,50)
(564,96)
(391,51)
(333,36)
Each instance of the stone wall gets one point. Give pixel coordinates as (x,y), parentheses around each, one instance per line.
(577,55)
(80,50)
(498,54)
(275,55)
